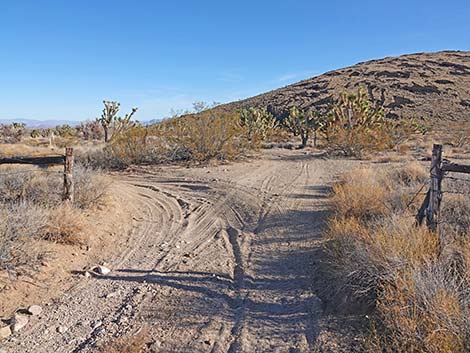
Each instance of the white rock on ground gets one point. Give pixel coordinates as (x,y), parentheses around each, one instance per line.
(19,321)
(61,329)
(102,270)
(5,332)
(34,310)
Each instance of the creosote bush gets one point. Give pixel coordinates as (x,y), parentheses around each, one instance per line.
(417,283)
(192,138)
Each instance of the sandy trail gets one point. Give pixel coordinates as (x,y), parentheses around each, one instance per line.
(220,259)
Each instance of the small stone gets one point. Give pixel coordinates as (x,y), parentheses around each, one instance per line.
(45,264)
(19,321)
(62,329)
(34,310)
(102,270)
(123,319)
(5,332)
(97,324)
(87,274)
(111,295)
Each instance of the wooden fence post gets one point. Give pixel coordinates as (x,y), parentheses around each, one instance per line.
(68,175)
(435,193)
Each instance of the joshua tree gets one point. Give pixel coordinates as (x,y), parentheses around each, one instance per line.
(301,123)
(258,122)
(112,124)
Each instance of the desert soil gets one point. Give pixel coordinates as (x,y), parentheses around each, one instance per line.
(219,259)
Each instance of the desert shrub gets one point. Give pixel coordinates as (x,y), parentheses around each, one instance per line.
(409,174)
(425,309)
(12,133)
(65,225)
(19,223)
(91,186)
(35,133)
(91,130)
(198,138)
(211,136)
(31,208)
(65,130)
(45,189)
(132,147)
(355,126)
(417,283)
(359,195)
(259,124)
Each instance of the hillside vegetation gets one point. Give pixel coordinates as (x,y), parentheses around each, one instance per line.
(435,86)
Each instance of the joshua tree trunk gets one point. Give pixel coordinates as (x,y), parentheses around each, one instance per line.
(304,137)
(106,133)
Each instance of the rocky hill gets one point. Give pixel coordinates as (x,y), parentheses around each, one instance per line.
(433,86)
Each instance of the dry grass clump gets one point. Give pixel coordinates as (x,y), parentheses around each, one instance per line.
(65,225)
(31,208)
(409,174)
(425,309)
(359,195)
(128,344)
(91,186)
(19,223)
(417,283)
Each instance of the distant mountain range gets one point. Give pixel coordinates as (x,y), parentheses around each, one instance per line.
(40,124)
(43,124)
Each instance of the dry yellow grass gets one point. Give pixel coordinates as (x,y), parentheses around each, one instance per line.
(360,195)
(65,225)
(418,283)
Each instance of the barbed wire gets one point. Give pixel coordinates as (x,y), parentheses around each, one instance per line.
(416,195)
(456,192)
(456,178)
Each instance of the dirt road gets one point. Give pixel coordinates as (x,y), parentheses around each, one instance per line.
(220,259)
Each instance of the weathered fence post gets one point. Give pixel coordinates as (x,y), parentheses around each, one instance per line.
(435,193)
(68,175)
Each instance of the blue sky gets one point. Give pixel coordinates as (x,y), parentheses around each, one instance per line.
(60,59)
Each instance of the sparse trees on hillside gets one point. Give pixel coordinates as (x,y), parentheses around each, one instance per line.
(113,124)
